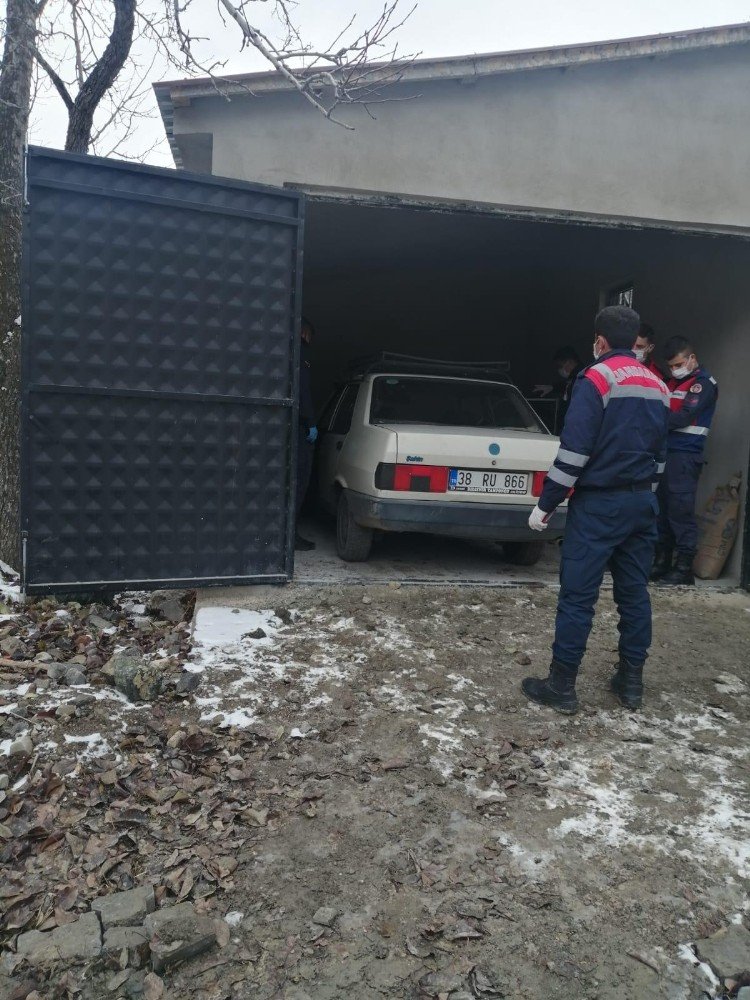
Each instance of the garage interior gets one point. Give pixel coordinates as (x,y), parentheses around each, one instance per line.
(467,285)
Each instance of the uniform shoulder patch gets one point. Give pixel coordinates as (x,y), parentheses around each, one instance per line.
(696,388)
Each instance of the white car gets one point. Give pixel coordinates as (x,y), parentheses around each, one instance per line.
(447,449)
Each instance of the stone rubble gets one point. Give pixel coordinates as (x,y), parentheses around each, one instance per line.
(727,951)
(125,909)
(126,928)
(78,941)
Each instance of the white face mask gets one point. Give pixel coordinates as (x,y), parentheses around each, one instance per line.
(596,352)
(681,372)
(640,354)
(562,372)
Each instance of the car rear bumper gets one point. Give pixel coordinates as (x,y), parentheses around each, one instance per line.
(498,522)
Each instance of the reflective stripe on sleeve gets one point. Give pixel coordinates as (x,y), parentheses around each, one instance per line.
(572,457)
(639,392)
(700,431)
(557,476)
(660,467)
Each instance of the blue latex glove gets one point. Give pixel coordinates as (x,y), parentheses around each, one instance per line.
(312,435)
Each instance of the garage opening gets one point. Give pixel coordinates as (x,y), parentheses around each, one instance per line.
(469,286)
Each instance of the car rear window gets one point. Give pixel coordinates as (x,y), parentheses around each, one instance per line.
(400,399)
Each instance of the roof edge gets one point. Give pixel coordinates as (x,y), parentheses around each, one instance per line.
(483,64)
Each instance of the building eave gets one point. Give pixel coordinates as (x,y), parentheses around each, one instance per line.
(170,93)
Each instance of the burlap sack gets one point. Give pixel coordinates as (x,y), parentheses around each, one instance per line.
(717,529)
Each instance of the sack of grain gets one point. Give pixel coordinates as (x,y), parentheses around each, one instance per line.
(717,529)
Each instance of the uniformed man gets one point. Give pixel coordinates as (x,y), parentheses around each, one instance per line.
(308,432)
(693,395)
(612,452)
(645,350)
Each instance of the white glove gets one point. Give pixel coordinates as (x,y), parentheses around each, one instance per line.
(538,519)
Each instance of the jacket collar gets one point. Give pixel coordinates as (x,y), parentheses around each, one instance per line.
(617,352)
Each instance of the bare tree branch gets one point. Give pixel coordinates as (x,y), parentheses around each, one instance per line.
(56,80)
(342,74)
(101,77)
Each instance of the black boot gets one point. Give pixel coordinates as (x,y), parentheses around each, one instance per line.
(662,562)
(303,544)
(681,574)
(558,690)
(627,684)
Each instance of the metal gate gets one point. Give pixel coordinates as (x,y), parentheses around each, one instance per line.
(160,367)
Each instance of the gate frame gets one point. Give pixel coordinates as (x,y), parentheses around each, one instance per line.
(291,402)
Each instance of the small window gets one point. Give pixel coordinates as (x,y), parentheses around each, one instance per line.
(621,295)
(343,419)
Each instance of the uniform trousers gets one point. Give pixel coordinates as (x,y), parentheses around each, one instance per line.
(613,529)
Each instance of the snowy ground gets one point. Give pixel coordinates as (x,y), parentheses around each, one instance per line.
(634,827)
(367,749)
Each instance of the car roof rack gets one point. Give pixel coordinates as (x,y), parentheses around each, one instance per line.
(386,362)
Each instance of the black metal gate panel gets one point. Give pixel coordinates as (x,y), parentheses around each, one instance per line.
(160,368)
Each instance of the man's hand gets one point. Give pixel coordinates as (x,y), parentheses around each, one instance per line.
(538,519)
(542,390)
(312,435)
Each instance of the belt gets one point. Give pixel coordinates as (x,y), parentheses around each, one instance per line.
(629,488)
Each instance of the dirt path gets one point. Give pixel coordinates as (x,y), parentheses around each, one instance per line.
(452,827)
(359,786)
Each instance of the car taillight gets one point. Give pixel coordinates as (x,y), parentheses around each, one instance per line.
(537,483)
(411,478)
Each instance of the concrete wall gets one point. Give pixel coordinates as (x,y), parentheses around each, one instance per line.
(661,138)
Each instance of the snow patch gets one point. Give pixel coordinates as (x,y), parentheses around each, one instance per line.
(687,953)
(729,684)
(93,745)
(223,628)
(604,796)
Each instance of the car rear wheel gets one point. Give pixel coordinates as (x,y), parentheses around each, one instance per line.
(353,542)
(523,553)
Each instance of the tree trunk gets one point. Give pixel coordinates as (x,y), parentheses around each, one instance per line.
(101,78)
(15,95)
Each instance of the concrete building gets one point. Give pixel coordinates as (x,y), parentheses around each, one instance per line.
(498,200)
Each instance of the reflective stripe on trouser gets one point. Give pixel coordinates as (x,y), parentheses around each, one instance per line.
(678,525)
(606,529)
(305,452)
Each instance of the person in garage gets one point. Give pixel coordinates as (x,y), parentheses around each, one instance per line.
(693,396)
(645,347)
(568,365)
(612,452)
(308,432)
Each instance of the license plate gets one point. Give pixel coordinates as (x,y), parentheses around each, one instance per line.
(477,481)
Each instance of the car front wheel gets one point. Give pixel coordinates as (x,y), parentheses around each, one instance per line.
(523,553)
(353,542)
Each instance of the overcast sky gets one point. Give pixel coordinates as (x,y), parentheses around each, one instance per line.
(439,28)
